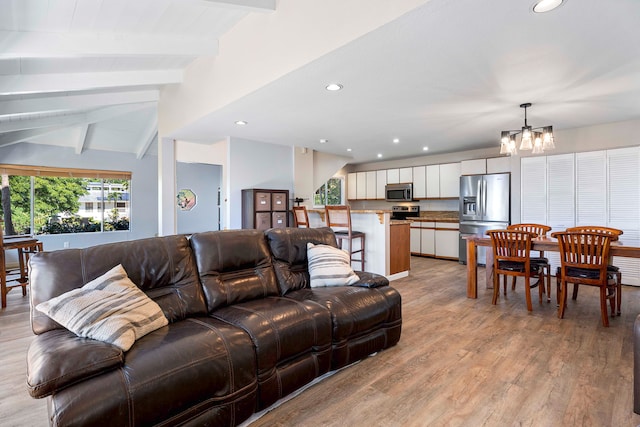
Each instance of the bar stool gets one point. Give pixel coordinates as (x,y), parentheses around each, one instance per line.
(15,277)
(300,217)
(339,217)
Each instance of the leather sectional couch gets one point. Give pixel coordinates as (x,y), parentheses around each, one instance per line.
(245,329)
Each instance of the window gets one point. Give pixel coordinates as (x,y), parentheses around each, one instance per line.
(54,201)
(330,193)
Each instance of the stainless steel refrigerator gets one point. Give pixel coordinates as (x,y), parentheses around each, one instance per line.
(485,204)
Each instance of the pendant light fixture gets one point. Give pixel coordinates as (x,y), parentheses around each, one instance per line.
(535,139)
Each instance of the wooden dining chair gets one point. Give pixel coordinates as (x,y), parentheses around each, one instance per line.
(511,257)
(338,217)
(300,217)
(612,270)
(583,260)
(540,265)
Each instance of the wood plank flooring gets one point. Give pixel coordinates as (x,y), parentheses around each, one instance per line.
(460,362)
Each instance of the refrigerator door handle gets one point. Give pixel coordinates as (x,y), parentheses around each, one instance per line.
(479,209)
(484,196)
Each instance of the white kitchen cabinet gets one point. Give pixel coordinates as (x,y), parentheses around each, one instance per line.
(361,185)
(351,186)
(499,164)
(381,181)
(393,176)
(371,185)
(406,175)
(427,239)
(420,182)
(414,237)
(533,190)
(447,240)
(560,191)
(450,180)
(433,181)
(591,188)
(473,167)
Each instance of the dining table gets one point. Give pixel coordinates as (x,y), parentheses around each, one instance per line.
(537,244)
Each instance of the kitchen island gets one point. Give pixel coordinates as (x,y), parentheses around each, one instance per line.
(386,249)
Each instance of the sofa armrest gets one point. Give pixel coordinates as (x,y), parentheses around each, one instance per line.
(370,280)
(59,358)
(636,365)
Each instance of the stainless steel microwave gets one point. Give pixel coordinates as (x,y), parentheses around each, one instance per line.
(398,192)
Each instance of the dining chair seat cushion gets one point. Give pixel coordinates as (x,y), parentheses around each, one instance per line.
(585,273)
(110,308)
(329,266)
(511,265)
(613,268)
(539,260)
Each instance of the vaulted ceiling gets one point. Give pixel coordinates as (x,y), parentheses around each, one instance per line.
(449,74)
(86,73)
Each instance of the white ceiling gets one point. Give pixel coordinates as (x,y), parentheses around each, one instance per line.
(449,75)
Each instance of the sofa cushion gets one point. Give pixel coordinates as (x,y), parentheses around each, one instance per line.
(234,266)
(329,266)
(60,358)
(163,267)
(109,308)
(291,339)
(196,369)
(289,249)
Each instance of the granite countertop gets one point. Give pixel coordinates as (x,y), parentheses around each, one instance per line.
(440,216)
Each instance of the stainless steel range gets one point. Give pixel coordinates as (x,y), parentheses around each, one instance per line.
(404,212)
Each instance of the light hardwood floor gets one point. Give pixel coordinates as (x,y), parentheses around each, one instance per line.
(460,362)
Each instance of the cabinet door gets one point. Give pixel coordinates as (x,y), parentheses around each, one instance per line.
(433,181)
(533,190)
(415,238)
(450,180)
(381,181)
(561,191)
(447,243)
(419,182)
(406,175)
(263,220)
(499,164)
(591,188)
(473,167)
(393,176)
(361,185)
(262,201)
(279,201)
(371,185)
(352,186)
(427,241)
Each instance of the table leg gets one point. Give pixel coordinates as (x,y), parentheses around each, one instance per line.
(489,269)
(472,270)
(3,279)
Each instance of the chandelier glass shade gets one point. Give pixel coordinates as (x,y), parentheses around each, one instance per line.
(536,140)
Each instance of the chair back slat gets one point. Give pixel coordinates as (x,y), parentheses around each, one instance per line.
(584,250)
(300,216)
(338,216)
(540,230)
(614,233)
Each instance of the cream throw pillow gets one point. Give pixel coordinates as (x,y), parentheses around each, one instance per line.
(329,266)
(110,308)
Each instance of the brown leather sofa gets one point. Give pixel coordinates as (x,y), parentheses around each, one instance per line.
(245,329)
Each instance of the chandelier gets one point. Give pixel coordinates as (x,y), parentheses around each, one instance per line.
(535,139)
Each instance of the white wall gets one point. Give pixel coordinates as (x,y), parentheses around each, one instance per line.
(253,164)
(144,187)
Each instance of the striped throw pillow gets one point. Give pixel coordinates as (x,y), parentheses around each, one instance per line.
(329,266)
(110,308)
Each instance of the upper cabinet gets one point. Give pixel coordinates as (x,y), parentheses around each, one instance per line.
(361,185)
(450,180)
(433,181)
(473,167)
(352,180)
(371,185)
(381,181)
(420,182)
(393,176)
(499,164)
(406,175)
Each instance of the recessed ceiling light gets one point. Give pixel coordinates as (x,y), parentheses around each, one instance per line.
(333,87)
(241,122)
(425,148)
(546,5)
(379,155)
(349,149)
(396,140)
(323,141)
